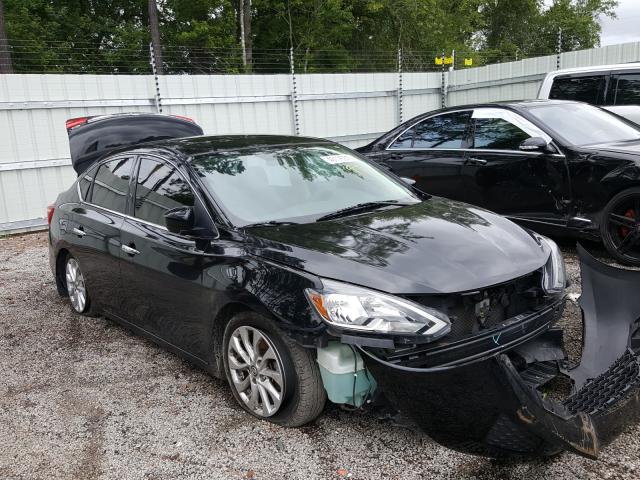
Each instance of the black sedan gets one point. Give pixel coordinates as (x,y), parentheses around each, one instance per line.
(300,271)
(555,166)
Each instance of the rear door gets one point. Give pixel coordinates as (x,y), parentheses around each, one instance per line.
(624,88)
(95,227)
(162,272)
(504,179)
(432,153)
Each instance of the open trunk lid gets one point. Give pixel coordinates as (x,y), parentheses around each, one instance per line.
(91,138)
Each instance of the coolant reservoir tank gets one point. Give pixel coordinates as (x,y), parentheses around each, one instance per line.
(341,366)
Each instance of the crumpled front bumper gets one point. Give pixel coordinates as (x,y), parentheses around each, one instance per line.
(495,406)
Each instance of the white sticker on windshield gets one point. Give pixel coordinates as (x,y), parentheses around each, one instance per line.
(338,158)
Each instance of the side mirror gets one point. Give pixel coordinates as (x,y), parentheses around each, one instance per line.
(180,220)
(535,144)
(408,181)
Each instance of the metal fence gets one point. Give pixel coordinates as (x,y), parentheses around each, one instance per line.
(351,108)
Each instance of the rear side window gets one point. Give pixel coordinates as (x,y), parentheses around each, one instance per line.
(582,89)
(627,89)
(159,187)
(85,183)
(446,131)
(111,184)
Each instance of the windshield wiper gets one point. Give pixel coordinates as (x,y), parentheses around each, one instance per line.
(361,207)
(270,223)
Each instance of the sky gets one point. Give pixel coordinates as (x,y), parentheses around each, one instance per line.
(625,28)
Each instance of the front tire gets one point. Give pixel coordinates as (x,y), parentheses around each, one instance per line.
(270,375)
(620,227)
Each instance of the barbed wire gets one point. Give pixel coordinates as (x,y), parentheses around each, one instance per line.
(113,57)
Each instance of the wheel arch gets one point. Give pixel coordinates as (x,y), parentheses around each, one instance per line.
(220,321)
(61,258)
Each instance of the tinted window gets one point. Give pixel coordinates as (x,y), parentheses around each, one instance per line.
(628,89)
(111,185)
(582,89)
(159,188)
(85,183)
(497,133)
(441,131)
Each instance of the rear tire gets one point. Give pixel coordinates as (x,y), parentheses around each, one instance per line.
(75,286)
(620,227)
(270,375)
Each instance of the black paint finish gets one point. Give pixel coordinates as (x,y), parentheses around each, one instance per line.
(543,190)
(179,290)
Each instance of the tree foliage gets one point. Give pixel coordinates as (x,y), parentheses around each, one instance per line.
(327,35)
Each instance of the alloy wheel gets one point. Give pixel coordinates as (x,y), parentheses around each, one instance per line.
(75,285)
(256,370)
(624,227)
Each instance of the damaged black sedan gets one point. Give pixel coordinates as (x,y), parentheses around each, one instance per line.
(300,271)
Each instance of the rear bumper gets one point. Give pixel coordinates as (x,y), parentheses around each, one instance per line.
(493,405)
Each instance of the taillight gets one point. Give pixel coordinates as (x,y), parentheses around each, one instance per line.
(50,209)
(74,122)
(184,118)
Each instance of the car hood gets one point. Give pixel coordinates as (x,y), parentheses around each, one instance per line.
(436,246)
(626,148)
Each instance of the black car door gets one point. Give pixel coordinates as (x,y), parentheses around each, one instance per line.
(94,229)
(507,180)
(432,153)
(161,271)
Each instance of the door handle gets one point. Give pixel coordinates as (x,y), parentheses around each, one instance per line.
(129,250)
(79,231)
(476,161)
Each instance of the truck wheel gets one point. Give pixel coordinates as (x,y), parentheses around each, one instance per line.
(270,375)
(620,227)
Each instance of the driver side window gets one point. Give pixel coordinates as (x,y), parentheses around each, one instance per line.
(497,134)
(160,187)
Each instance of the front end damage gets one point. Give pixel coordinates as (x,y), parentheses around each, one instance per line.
(494,400)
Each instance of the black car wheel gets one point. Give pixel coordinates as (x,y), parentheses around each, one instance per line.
(620,227)
(271,376)
(76,287)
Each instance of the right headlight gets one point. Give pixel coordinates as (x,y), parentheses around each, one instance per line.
(554,279)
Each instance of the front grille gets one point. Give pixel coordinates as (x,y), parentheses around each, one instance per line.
(606,390)
(472,312)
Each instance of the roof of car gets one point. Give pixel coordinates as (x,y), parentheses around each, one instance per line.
(513,104)
(594,69)
(192,146)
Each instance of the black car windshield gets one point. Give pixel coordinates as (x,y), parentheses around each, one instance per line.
(294,183)
(582,124)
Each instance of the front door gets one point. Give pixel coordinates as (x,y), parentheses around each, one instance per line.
(161,271)
(507,180)
(432,153)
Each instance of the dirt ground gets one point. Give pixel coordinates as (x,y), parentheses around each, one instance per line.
(84,398)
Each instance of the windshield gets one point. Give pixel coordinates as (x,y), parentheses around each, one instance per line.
(581,124)
(296,183)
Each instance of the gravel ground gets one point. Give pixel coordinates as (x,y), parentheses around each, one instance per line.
(83,398)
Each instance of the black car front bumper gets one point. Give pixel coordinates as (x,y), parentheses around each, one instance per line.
(493,404)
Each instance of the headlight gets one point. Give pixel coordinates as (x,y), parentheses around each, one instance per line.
(554,279)
(355,308)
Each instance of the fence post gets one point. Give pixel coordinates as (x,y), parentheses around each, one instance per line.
(154,70)
(559,49)
(399,93)
(294,95)
(443,86)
